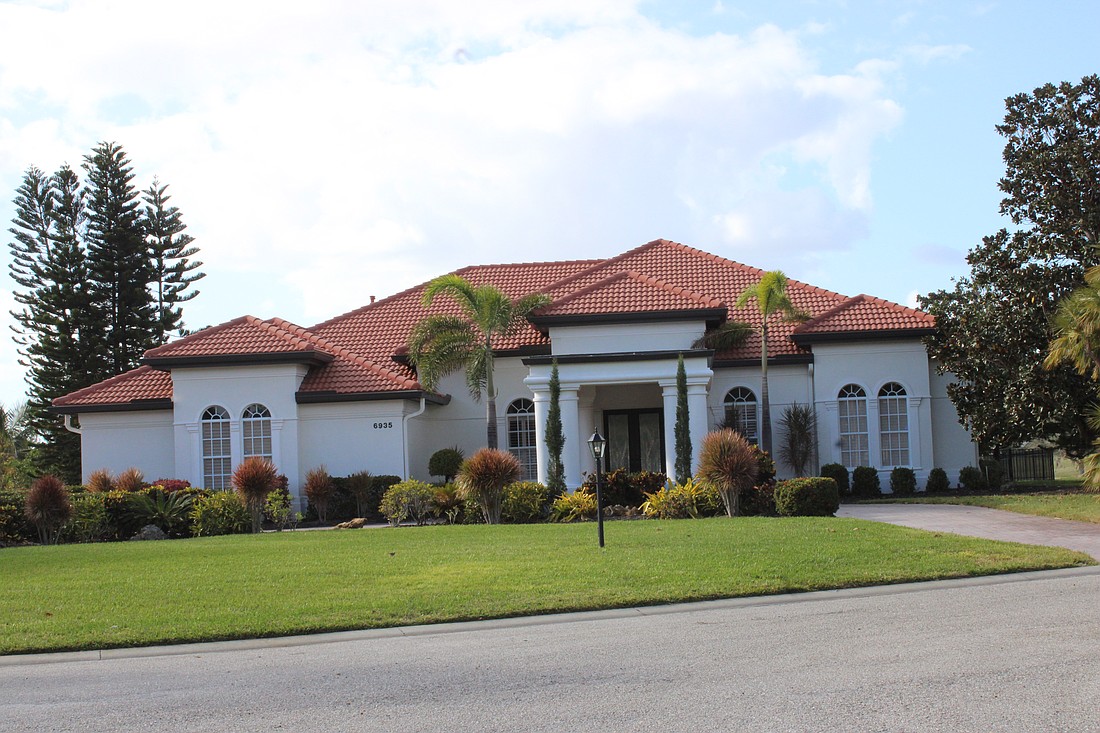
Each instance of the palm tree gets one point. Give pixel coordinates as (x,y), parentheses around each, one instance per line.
(442,344)
(770,294)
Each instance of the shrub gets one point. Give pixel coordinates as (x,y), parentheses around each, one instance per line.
(581,504)
(837,473)
(484,475)
(622,487)
(993,472)
(903,482)
(100,481)
(14,526)
(865,482)
(729,463)
(799,425)
(130,480)
(89,522)
(447,503)
(446,462)
(170,512)
(219,512)
(378,486)
(277,506)
(359,485)
(759,501)
(937,480)
(319,491)
(807,497)
(524,502)
(254,479)
(409,499)
(172,484)
(48,508)
(691,499)
(971,478)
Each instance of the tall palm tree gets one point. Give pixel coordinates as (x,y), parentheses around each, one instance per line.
(770,294)
(442,344)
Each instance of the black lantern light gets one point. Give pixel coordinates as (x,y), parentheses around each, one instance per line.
(597,444)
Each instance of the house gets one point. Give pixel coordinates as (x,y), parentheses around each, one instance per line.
(342,393)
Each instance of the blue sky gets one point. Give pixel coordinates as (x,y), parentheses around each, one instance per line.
(322,153)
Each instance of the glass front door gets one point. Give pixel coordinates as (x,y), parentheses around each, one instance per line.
(635,440)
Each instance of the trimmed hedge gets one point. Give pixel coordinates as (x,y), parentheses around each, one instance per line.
(807,497)
(837,473)
(937,480)
(865,482)
(903,482)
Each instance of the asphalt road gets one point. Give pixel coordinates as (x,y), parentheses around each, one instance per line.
(1016,653)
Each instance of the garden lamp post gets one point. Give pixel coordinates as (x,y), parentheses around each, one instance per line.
(598,444)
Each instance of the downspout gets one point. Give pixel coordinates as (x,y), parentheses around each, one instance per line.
(69,425)
(814,458)
(405,431)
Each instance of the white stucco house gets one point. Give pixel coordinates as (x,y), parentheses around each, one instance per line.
(342,394)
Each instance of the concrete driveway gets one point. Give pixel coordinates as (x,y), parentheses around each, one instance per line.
(976,521)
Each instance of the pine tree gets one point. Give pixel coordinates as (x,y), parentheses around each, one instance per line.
(555,436)
(169,253)
(118,261)
(683,431)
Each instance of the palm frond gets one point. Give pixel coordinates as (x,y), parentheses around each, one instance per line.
(726,336)
(477,364)
(455,286)
(440,345)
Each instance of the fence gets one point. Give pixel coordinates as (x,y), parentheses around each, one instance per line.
(1031,464)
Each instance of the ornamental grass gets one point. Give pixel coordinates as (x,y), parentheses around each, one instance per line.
(483,477)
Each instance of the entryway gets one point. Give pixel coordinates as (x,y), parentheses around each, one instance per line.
(635,440)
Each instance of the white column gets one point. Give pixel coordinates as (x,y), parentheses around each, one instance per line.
(574,436)
(915,415)
(668,398)
(587,422)
(828,433)
(697,420)
(541,399)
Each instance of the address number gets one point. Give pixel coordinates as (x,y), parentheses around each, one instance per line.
(383,425)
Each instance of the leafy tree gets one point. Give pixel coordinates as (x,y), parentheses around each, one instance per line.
(682,429)
(994,327)
(170,251)
(555,436)
(442,344)
(770,295)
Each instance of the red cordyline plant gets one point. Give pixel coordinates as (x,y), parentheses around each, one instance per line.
(319,489)
(483,476)
(254,479)
(728,463)
(100,481)
(48,507)
(130,480)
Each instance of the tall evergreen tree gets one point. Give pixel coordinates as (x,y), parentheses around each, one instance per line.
(118,262)
(555,435)
(683,430)
(170,251)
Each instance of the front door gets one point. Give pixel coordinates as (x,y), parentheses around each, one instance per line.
(635,440)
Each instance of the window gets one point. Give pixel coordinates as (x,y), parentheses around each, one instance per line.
(893,424)
(217,459)
(741,412)
(521,437)
(852,409)
(256,431)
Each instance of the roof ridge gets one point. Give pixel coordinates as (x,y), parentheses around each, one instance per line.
(205,333)
(679,290)
(91,388)
(891,304)
(598,264)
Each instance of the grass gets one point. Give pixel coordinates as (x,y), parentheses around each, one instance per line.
(1084,507)
(140,593)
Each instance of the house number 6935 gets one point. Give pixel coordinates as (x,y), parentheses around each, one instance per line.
(383,425)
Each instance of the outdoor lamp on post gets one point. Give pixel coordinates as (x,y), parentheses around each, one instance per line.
(598,444)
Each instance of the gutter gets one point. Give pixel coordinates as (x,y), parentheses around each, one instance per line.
(69,425)
(405,431)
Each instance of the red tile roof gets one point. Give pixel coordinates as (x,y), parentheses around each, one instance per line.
(659,277)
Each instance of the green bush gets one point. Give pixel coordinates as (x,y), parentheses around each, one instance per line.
(409,499)
(277,507)
(625,488)
(972,479)
(89,522)
(373,500)
(581,504)
(447,503)
(837,473)
(14,527)
(807,497)
(524,502)
(993,472)
(903,482)
(219,512)
(688,500)
(758,501)
(865,482)
(937,480)
(445,463)
(171,512)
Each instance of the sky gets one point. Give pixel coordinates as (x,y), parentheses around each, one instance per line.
(325,152)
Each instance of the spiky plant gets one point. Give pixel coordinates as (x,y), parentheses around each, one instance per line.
(254,479)
(799,426)
(130,480)
(483,477)
(100,481)
(728,463)
(360,485)
(319,490)
(48,507)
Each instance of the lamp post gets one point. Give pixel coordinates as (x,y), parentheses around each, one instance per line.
(597,444)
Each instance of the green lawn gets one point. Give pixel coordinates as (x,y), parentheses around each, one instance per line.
(140,593)
(1064,505)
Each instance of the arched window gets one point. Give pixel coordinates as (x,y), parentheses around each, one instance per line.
(893,424)
(852,410)
(256,431)
(521,436)
(217,457)
(741,412)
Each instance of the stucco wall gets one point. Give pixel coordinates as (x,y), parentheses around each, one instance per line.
(118,440)
(950,440)
(612,338)
(346,437)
